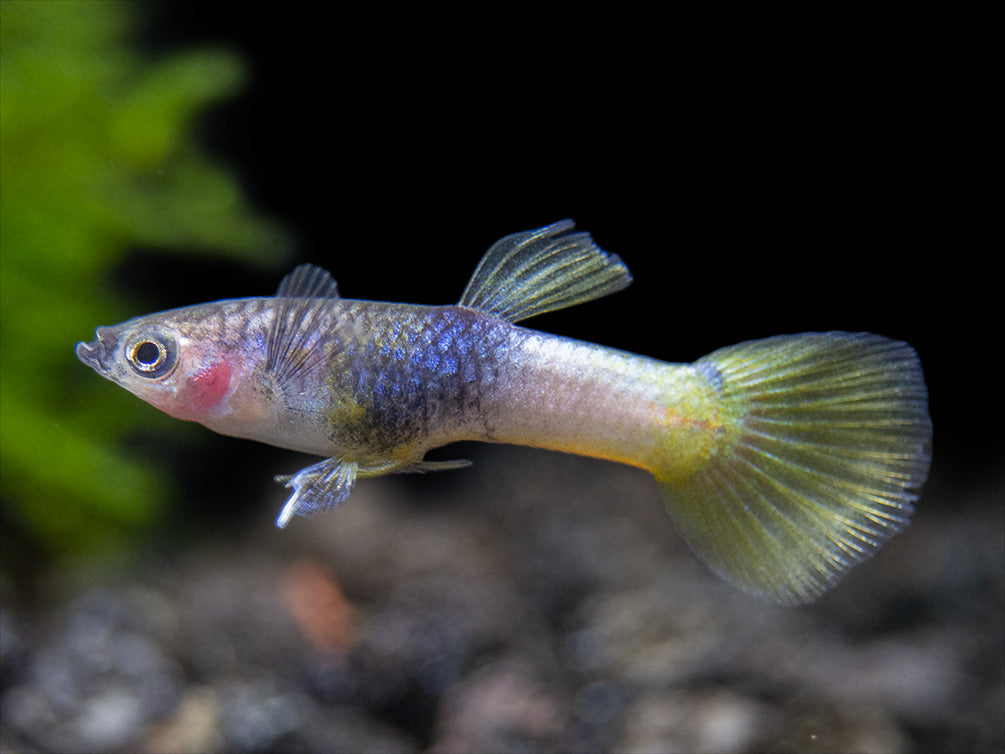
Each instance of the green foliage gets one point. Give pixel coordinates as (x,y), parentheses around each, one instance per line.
(96,156)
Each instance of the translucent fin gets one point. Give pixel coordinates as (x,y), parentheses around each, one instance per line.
(324,485)
(308,281)
(542,270)
(302,300)
(824,450)
(317,488)
(424,467)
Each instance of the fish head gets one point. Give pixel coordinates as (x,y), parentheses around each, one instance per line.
(168,361)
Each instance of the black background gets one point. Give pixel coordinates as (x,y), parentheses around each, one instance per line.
(754,186)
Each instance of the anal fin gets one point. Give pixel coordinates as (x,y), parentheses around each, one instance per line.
(423,467)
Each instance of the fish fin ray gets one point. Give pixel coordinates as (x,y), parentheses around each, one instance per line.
(542,270)
(317,488)
(423,467)
(302,302)
(308,281)
(826,446)
(322,486)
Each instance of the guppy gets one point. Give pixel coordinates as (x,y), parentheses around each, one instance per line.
(783,462)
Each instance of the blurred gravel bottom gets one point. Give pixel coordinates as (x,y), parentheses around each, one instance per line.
(536,602)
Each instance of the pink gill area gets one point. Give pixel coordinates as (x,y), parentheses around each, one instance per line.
(202,391)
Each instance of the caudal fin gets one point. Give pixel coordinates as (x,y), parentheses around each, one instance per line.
(824,448)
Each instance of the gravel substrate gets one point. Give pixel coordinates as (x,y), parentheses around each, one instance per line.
(536,602)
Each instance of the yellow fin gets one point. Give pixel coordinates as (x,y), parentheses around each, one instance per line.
(543,270)
(824,450)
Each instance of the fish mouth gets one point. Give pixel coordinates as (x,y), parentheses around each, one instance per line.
(97,353)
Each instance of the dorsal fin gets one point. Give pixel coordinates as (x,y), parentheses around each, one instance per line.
(543,270)
(302,299)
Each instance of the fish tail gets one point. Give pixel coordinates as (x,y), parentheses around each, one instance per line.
(821,445)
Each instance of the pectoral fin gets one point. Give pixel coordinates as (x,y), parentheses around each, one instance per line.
(302,300)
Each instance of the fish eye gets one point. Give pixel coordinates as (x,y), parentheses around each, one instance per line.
(152,355)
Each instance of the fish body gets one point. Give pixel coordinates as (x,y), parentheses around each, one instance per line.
(400,379)
(782,461)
